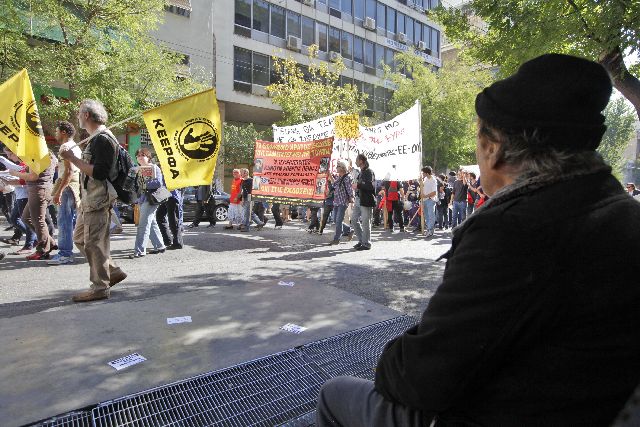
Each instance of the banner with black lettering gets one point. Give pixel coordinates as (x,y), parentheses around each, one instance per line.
(294,173)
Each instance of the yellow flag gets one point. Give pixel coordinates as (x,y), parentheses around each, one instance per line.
(186,135)
(20,127)
(347,126)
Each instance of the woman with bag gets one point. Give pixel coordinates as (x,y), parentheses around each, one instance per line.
(148,203)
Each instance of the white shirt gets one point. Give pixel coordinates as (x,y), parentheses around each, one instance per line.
(76,151)
(430,185)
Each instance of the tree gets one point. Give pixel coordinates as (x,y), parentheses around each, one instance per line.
(620,128)
(447,99)
(514,31)
(310,92)
(239,143)
(98,49)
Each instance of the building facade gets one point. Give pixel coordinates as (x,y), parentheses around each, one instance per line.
(234,40)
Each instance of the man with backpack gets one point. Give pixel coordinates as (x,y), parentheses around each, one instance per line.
(98,167)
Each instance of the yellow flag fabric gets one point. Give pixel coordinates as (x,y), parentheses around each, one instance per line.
(20,127)
(186,135)
(347,126)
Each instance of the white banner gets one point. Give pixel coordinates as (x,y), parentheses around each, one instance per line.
(394,148)
(310,131)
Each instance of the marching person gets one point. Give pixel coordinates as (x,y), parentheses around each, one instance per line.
(235,202)
(342,197)
(66,194)
(248,216)
(91,234)
(206,205)
(529,326)
(363,209)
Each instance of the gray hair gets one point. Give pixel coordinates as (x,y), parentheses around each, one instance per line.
(341,164)
(527,152)
(96,111)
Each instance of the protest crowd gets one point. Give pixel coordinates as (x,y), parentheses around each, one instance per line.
(528,314)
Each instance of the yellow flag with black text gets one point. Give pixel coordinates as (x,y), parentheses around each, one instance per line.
(186,134)
(20,127)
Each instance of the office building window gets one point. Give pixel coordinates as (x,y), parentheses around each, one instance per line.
(334,39)
(417,32)
(419,3)
(381,16)
(370,11)
(387,101)
(261,16)
(426,35)
(388,58)
(334,4)
(293,24)
(433,4)
(358,50)
(308,31)
(391,20)
(322,37)
(358,9)
(243,13)
(347,6)
(369,54)
(409,28)
(273,76)
(241,65)
(400,23)
(278,23)
(346,81)
(347,45)
(435,41)
(260,69)
(368,89)
(379,56)
(379,93)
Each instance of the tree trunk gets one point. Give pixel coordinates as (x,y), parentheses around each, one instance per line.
(623,80)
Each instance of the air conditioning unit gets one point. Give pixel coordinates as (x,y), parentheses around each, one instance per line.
(369,23)
(401,37)
(334,56)
(308,2)
(294,43)
(422,45)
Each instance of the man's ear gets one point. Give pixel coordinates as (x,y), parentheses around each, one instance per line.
(491,151)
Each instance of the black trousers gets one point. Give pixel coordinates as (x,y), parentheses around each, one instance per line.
(258,209)
(395,214)
(325,217)
(314,222)
(204,208)
(171,210)
(6,204)
(275,210)
(441,215)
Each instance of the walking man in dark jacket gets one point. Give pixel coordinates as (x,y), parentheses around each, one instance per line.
(365,185)
(528,327)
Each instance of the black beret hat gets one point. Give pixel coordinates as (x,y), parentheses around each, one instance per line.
(561,96)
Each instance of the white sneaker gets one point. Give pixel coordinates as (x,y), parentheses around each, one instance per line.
(60,260)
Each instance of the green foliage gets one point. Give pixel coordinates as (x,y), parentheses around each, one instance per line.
(447,100)
(239,142)
(313,92)
(620,128)
(510,32)
(98,49)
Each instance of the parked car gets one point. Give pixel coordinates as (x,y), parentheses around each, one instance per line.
(221,210)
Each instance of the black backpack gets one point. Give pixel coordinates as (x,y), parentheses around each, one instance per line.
(125,179)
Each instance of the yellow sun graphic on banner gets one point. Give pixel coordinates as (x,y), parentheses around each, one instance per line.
(347,126)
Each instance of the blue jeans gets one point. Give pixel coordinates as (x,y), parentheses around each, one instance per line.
(459,213)
(429,214)
(66,222)
(246,205)
(21,227)
(341,227)
(148,227)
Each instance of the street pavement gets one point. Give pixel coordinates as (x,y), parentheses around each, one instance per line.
(55,353)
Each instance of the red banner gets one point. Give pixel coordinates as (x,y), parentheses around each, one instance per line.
(294,173)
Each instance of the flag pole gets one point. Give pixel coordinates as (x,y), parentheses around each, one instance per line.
(421,166)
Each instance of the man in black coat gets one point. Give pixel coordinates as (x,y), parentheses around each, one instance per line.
(365,186)
(536,320)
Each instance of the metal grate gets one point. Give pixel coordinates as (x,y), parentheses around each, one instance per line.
(356,352)
(263,392)
(72,419)
(306,420)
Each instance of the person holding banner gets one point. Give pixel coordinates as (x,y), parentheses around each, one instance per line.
(365,186)
(429,199)
(91,234)
(343,196)
(248,216)
(235,201)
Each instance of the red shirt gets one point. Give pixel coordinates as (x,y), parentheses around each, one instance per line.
(235,190)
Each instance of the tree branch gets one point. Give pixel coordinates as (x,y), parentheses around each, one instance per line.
(590,33)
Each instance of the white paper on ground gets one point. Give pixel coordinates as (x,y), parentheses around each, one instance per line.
(125,362)
(182,319)
(283,283)
(291,327)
